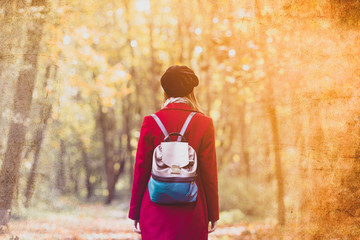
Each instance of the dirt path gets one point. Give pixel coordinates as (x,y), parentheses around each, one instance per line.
(102,222)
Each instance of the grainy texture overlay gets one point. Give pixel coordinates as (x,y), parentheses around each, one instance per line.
(279,78)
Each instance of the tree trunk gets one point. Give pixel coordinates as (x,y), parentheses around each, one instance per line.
(348,198)
(39,135)
(271,109)
(278,165)
(45,114)
(129,147)
(180,33)
(113,167)
(154,83)
(60,169)
(73,178)
(86,164)
(244,153)
(209,97)
(7,27)
(10,169)
(312,163)
(108,163)
(127,104)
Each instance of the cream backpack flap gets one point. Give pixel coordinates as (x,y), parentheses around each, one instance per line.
(174,167)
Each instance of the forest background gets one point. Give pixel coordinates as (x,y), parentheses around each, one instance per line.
(280,78)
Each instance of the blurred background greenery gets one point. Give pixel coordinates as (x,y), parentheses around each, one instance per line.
(280,79)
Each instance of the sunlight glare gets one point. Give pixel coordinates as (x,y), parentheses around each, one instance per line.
(167,9)
(66,39)
(87,50)
(110,13)
(143,6)
(120,73)
(27,165)
(85,35)
(96,39)
(232,53)
(198,50)
(231,79)
(119,12)
(241,13)
(236,158)
(173,21)
(133,43)
(250,44)
(198,31)
(137,134)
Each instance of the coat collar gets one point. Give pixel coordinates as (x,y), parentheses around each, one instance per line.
(179,106)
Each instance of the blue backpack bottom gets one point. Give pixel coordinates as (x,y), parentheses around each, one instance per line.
(172,192)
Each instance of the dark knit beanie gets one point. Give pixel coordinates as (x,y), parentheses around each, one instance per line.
(179,81)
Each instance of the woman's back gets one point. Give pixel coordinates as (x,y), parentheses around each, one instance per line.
(176,221)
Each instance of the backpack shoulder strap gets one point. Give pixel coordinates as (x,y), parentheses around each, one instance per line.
(186,124)
(161,126)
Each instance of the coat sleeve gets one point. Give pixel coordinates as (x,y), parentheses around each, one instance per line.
(142,169)
(208,172)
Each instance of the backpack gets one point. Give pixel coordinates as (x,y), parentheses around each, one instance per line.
(174,167)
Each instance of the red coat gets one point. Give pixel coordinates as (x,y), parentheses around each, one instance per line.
(180,222)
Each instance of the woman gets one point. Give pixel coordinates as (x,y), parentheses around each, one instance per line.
(178,221)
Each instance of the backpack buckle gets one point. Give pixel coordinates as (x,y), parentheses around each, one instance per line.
(175,169)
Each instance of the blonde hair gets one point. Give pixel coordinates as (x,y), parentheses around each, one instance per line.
(193,102)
